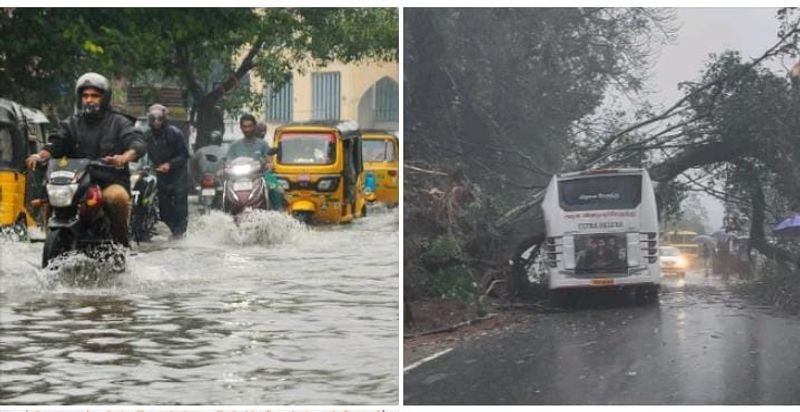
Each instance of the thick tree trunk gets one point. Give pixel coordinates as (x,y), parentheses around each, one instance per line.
(206,115)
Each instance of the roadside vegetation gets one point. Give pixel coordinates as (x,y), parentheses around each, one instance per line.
(498,101)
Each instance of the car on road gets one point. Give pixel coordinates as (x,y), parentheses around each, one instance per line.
(672,261)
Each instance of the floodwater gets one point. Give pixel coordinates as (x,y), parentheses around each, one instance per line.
(270,312)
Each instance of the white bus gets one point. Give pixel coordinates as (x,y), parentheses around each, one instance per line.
(602,231)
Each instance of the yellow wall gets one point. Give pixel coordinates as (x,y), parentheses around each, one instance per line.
(356,81)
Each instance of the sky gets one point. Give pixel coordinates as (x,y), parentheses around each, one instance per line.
(702,31)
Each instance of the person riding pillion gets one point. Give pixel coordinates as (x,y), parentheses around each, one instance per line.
(167,150)
(200,161)
(97,131)
(255,147)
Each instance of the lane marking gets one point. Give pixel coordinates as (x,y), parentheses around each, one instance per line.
(425,360)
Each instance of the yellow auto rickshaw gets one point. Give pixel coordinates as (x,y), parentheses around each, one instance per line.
(320,167)
(381,152)
(22,132)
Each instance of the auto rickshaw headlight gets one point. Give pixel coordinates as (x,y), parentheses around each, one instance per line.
(327,184)
(61,195)
(284,183)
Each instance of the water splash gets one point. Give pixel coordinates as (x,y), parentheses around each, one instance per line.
(98,267)
(256,227)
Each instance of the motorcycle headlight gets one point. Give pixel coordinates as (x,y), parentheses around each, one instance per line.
(61,195)
(327,184)
(284,183)
(134,180)
(241,169)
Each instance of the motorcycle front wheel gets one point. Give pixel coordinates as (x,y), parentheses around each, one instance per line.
(57,242)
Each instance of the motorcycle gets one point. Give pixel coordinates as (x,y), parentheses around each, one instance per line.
(78,221)
(144,204)
(243,186)
(211,188)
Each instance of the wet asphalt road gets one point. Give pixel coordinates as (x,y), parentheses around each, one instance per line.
(699,345)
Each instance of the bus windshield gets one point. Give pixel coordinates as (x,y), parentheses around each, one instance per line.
(599,193)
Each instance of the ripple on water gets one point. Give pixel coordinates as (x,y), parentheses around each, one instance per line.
(95,357)
(34,399)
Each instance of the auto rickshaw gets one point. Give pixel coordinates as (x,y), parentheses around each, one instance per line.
(22,132)
(380,150)
(320,167)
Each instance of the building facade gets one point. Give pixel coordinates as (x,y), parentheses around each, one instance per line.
(367,93)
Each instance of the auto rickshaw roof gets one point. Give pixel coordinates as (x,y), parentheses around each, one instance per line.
(348,128)
(365,132)
(13,112)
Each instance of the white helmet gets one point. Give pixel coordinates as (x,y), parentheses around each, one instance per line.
(96,81)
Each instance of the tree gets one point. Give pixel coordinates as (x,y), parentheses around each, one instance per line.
(737,125)
(500,90)
(183,45)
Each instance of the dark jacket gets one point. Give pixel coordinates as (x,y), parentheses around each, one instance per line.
(168,147)
(111,134)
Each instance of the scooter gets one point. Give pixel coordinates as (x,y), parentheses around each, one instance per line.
(78,221)
(244,187)
(209,193)
(144,210)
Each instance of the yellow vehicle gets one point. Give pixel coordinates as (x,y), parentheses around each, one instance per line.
(320,167)
(684,241)
(21,133)
(381,152)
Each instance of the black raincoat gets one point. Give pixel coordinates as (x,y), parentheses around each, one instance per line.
(110,133)
(168,146)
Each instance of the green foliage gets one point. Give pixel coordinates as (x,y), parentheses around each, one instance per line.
(449,277)
(454,282)
(691,215)
(501,89)
(45,50)
(442,251)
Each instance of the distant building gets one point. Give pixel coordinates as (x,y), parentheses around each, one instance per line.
(367,93)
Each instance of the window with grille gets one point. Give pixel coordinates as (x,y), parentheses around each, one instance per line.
(326,94)
(386,100)
(279,102)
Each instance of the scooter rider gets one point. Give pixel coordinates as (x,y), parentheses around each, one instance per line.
(97,131)
(166,148)
(254,146)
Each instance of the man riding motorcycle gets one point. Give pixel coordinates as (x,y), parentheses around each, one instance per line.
(96,131)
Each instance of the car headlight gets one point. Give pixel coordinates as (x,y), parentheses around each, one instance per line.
(681,262)
(61,195)
(327,184)
(241,169)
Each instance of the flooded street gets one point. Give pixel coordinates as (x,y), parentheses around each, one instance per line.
(701,345)
(267,313)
